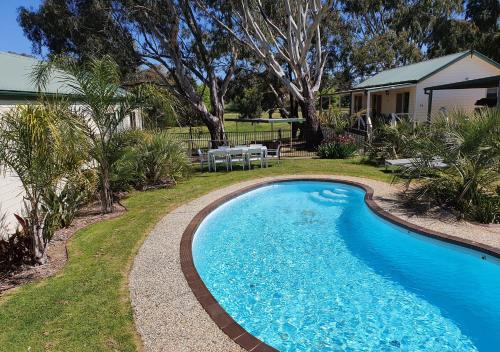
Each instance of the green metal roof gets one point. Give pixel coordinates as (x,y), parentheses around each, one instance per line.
(16,80)
(416,72)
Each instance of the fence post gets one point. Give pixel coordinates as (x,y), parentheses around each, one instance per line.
(190,141)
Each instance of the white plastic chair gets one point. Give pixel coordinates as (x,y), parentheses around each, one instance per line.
(219,156)
(255,154)
(237,156)
(273,154)
(203,159)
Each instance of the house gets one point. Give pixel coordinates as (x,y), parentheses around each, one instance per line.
(401,92)
(18,88)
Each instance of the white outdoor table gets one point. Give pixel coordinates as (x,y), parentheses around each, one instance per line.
(245,150)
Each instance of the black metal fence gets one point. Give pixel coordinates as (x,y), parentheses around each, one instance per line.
(291,146)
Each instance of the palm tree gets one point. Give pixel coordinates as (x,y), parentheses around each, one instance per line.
(102,106)
(42,144)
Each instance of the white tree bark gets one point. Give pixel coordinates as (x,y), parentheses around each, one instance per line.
(166,44)
(298,46)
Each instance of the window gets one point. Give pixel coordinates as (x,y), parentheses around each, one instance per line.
(403,103)
(491,93)
(358,103)
(376,104)
(133,122)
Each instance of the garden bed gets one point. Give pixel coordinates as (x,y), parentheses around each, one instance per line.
(57,254)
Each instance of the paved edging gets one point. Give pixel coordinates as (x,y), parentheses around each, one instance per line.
(169,316)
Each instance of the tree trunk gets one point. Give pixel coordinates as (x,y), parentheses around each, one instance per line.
(216,128)
(35,229)
(106,194)
(38,250)
(294,113)
(312,127)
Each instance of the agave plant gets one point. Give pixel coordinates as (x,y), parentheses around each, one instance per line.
(469,144)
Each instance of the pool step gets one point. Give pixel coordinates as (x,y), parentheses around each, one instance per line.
(319,197)
(330,194)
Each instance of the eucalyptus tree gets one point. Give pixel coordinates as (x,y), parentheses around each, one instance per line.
(176,36)
(387,34)
(172,37)
(81,28)
(288,39)
(101,105)
(43,145)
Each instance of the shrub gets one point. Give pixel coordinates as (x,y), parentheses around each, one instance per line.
(335,120)
(126,172)
(61,205)
(43,144)
(470,145)
(14,250)
(340,147)
(151,160)
(391,142)
(486,209)
(162,159)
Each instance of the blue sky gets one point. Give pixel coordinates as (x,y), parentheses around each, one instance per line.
(12,37)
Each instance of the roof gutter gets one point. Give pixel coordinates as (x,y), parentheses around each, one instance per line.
(389,86)
(33,96)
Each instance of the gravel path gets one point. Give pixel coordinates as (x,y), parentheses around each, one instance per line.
(168,316)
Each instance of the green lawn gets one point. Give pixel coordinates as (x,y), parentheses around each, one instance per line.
(86,306)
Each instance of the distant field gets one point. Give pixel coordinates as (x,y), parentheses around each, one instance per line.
(232,126)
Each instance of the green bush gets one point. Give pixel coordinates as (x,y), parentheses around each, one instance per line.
(148,159)
(470,145)
(61,205)
(340,147)
(335,119)
(126,172)
(486,209)
(162,159)
(391,142)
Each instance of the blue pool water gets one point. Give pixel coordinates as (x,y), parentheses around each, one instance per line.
(307,266)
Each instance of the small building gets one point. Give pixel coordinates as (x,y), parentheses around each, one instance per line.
(18,88)
(400,92)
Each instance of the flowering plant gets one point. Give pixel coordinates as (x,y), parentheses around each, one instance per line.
(338,147)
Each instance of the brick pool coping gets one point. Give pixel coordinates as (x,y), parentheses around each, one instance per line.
(221,318)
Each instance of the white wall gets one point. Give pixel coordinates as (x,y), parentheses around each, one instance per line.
(11,190)
(463,99)
(11,198)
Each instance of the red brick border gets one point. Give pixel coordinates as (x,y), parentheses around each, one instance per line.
(223,320)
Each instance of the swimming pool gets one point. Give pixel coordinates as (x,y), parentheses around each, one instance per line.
(307,266)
